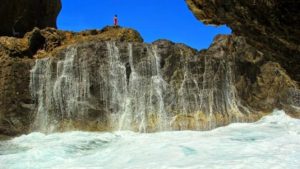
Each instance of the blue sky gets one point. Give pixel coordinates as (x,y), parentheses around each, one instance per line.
(154,19)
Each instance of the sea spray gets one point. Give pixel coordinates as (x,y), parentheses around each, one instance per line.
(271,142)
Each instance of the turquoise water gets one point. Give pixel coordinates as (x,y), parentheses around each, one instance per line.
(272,142)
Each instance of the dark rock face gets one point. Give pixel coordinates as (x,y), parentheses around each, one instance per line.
(271,26)
(20,16)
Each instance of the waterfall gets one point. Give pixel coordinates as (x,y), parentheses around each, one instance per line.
(140,99)
(60,90)
(124,86)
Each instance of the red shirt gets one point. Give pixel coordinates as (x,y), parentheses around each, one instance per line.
(115,21)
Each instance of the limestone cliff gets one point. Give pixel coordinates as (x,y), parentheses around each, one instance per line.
(20,16)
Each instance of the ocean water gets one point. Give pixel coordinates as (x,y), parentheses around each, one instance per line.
(271,143)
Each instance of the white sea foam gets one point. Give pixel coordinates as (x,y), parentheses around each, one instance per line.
(272,142)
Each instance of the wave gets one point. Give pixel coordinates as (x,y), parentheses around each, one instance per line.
(272,142)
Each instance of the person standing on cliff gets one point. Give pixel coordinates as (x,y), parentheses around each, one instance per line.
(116,20)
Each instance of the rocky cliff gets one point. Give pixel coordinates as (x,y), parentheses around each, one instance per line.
(272,29)
(96,85)
(20,16)
(174,83)
(108,79)
(17,57)
(271,26)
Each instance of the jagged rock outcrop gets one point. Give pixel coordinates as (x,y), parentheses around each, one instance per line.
(20,16)
(266,33)
(271,26)
(39,42)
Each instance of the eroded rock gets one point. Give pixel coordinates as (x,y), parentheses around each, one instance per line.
(271,26)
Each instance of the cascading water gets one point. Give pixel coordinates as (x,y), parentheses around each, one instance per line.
(124,86)
(60,92)
(139,98)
